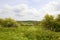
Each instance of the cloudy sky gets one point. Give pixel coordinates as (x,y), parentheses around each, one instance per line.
(28,9)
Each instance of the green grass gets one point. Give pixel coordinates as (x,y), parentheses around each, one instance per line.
(28,33)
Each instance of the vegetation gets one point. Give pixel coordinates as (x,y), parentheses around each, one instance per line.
(51,23)
(8,22)
(46,29)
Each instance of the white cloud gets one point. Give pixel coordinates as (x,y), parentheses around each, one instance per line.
(52,8)
(19,12)
(25,12)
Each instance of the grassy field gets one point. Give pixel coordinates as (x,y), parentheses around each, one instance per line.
(28,33)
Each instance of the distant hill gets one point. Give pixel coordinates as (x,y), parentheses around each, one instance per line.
(28,23)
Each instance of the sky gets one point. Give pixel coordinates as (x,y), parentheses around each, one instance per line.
(28,9)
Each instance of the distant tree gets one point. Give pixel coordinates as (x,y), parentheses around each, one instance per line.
(8,22)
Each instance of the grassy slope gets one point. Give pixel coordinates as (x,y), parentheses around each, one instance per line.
(28,33)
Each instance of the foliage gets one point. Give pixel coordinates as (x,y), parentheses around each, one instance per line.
(27,33)
(51,23)
(8,22)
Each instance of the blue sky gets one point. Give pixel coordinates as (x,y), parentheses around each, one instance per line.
(28,9)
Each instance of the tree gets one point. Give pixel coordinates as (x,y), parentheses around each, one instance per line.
(8,22)
(57,23)
(1,22)
(48,22)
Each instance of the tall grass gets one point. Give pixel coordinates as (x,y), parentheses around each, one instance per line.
(28,33)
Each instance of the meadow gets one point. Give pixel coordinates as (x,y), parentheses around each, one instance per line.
(28,33)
